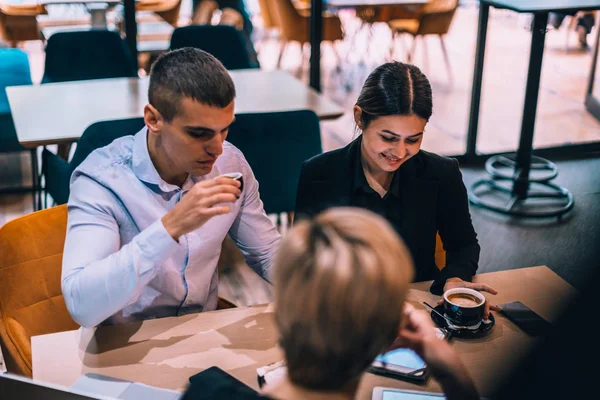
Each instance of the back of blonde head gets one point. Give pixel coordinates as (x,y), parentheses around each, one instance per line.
(340,284)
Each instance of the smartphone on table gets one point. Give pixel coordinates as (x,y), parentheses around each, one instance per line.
(526,319)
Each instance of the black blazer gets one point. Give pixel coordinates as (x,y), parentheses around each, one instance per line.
(434,199)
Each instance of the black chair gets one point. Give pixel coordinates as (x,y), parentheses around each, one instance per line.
(276,145)
(83,55)
(224,42)
(57,172)
(14,71)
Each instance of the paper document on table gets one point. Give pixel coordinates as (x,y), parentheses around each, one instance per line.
(2,364)
(120,389)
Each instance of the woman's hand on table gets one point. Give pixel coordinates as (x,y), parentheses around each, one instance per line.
(452,283)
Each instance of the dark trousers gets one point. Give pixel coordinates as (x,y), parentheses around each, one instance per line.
(586,20)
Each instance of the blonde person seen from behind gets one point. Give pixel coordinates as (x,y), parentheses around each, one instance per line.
(341,281)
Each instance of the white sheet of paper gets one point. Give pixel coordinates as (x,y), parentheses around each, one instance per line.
(2,365)
(120,389)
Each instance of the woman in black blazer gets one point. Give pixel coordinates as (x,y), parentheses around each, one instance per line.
(385,171)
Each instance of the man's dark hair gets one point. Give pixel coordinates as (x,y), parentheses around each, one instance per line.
(192,73)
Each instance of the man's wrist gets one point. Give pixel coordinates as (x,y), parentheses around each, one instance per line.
(171,228)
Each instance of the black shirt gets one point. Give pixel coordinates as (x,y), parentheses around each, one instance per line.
(426,197)
(364,196)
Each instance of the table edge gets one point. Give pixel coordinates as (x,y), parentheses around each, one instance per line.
(492,3)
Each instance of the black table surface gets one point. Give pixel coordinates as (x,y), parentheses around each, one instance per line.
(528,6)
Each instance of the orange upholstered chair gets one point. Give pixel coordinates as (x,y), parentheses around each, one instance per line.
(440,253)
(31,301)
(168,10)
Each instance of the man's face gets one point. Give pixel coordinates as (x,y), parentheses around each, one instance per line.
(194,138)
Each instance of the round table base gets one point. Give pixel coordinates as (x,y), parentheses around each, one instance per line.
(504,166)
(560,200)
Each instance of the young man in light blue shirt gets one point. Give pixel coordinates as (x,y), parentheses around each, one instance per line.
(148,213)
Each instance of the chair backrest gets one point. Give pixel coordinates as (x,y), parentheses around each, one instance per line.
(18,22)
(14,71)
(9,141)
(440,253)
(82,55)
(276,145)
(288,19)
(103,133)
(222,41)
(31,301)
(57,172)
(437,17)
(168,10)
(266,13)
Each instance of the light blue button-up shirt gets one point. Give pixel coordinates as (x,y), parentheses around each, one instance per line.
(119,262)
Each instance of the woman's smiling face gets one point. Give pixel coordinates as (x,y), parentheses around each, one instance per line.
(389,141)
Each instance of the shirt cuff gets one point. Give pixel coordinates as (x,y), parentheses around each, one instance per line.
(450,271)
(155,244)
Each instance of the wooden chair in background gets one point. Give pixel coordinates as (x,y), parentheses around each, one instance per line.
(435,19)
(31,300)
(18,23)
(293,25)
(168,10)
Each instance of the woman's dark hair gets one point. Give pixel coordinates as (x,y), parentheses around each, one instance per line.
(395,88)
(192,73)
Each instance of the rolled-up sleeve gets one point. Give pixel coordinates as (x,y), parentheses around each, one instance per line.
(99,275)
(253,231)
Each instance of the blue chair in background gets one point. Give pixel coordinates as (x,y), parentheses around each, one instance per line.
(83,55)
(57,172)
(276,145)
(14,71)
(226,43)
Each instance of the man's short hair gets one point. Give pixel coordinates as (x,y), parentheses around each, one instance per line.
(192,73)
(340,283)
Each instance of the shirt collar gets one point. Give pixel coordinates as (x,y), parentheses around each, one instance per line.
(144,168)
(359,179)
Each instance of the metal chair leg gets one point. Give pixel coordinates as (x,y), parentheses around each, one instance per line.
(411,52)
(425,54)
(35,181)
(446,57)
(281,51)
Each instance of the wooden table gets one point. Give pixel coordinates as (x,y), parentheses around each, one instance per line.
(166,352)
(58,113)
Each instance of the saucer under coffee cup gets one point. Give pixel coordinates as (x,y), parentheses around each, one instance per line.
(463,306)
